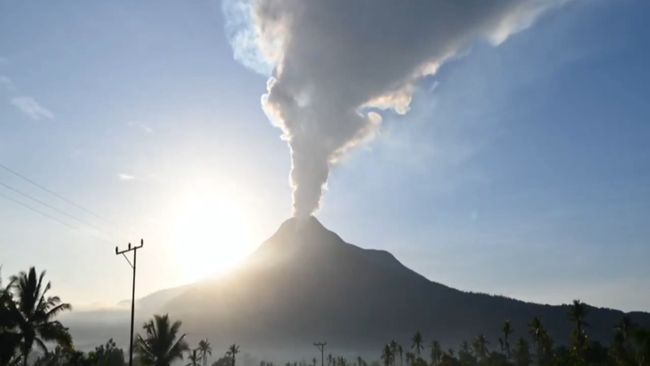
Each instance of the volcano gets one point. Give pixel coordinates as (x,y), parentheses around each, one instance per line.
(306,284)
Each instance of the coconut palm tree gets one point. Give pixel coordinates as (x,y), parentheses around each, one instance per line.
(393,350)
(400,352)
(9,335)
(194,357)
(417,343)
(161,345)
(620,350)
(233,350)
(410,358)
(436,353)
(480,347)
(33,313)
(521,356)
(387,355)
(542,340)
(579,339)
(507,331)
(205,349)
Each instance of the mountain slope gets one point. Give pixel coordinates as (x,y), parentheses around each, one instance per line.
(305,284)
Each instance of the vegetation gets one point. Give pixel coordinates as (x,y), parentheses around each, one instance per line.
(205,350)
(28,326)
(161,345)
(27,316)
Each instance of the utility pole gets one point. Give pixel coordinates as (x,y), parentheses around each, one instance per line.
(135,257)
(321,347)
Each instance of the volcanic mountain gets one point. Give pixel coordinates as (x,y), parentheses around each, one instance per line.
(306,284)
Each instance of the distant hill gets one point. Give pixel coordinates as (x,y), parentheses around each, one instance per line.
(306,284)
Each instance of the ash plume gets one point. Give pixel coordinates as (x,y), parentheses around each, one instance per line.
(335,65)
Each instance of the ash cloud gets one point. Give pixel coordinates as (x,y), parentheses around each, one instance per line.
(335,65)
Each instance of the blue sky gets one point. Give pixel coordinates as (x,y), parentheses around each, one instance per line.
(521,169)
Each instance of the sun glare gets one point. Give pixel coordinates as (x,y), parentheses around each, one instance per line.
(211,234)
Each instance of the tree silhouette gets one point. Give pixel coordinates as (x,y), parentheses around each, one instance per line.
(507,331)
(465,356)
(194,357)
(161,345)
(393,350)
(480,347)
(417,343)
(205,349)
(579,339)
(106,355)
(400,352)
(233,350)
(9,335)
(621,351)
(436,353)
(642,340)
(33,313)
(387,355)
(410,358)
(543,342)
(522,353)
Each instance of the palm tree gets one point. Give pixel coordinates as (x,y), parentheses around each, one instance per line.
(387,355)
(234,350)
(577,313)
(393,350)
(417,343)
(161,345)
(480,347)
(521,355)
(436,353)
(194,358)
(542,340)
(33,313)
(507,331)
(400,352)
(410,358)
(620,349)
(9,335)
(205,349)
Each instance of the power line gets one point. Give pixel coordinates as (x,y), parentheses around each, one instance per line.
(37,211)
(57,195)
(15,190)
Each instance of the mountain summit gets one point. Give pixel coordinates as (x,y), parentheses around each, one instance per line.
(305,283)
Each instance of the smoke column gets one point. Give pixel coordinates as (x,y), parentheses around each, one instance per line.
(334,65)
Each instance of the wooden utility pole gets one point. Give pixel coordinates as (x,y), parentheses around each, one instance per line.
(321,347)
(133,266)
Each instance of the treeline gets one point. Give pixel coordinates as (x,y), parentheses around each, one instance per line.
(630,347)
(31,335)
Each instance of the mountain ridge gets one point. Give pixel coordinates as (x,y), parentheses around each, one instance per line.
(305,283)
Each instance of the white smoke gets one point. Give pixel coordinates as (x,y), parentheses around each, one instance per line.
(333,65)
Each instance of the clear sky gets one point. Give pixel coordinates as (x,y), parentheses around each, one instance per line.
(522,169)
